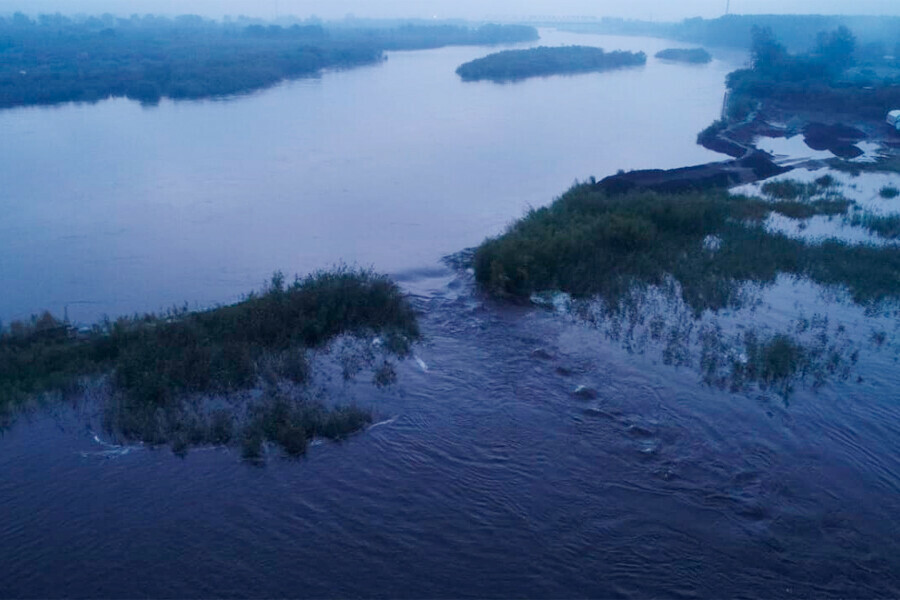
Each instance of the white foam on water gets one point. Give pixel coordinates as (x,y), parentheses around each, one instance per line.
(380,423)
(111,450)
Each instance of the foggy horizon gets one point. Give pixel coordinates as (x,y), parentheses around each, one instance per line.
(446,9)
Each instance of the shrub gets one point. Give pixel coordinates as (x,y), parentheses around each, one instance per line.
(889,192)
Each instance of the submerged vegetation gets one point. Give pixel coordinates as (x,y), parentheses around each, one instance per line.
(512,65)
(649,267)
(883,164)
(697,56)
(57,59)
(173,378)
(884,226)
(888,192)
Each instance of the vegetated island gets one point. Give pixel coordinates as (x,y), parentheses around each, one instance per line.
(514,65)
(697,56)
(57,59)
(236,374)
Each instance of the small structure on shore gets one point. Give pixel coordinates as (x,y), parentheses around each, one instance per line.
(893,119)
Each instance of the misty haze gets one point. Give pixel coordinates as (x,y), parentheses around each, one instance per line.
(439,299)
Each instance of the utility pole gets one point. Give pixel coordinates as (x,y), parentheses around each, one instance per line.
(727,6)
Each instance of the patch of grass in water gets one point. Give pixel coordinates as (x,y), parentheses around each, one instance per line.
(791,190)
(884,226)
(888,192)
(157,363)
(785,189)
(292,424)
(884,164)
(805,210)
(826,181)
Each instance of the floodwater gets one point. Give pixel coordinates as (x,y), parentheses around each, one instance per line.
(114,208)
(486,475)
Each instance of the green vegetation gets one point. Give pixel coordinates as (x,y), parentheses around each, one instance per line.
(888,192)
(279,419)
(688,55)
(592,243)
(808,348)
(788,189)
(56,59)
(799,200)
(513,65)
(884,164)
(167,371)
(878,34)
(820,78)
(884,226)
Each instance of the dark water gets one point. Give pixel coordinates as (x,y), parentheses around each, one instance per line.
(487,477)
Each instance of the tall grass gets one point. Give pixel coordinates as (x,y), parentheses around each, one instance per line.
(591,243)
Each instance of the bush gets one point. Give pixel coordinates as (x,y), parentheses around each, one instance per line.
(889,192)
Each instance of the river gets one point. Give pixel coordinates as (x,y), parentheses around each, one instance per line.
(114,208)
(485,475)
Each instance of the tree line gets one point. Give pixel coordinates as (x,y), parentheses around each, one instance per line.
(54,59)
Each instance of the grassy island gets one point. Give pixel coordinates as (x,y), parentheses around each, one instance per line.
(57,59)
(591,242)
(689,55)
(513,65)
(178,378)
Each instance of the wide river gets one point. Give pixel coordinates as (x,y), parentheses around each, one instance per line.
(115,207)
(485,476)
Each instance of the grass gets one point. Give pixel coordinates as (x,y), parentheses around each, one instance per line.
(290,424)
(884,226)
(590,243)
(805,210)
(888,192)
(884,164)
(158,363)
(790,190)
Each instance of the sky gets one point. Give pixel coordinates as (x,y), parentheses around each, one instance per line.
(468,9)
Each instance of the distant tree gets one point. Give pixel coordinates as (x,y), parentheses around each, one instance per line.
(836,48)
(767,52)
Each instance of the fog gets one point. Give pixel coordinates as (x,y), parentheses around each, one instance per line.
(469,9)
